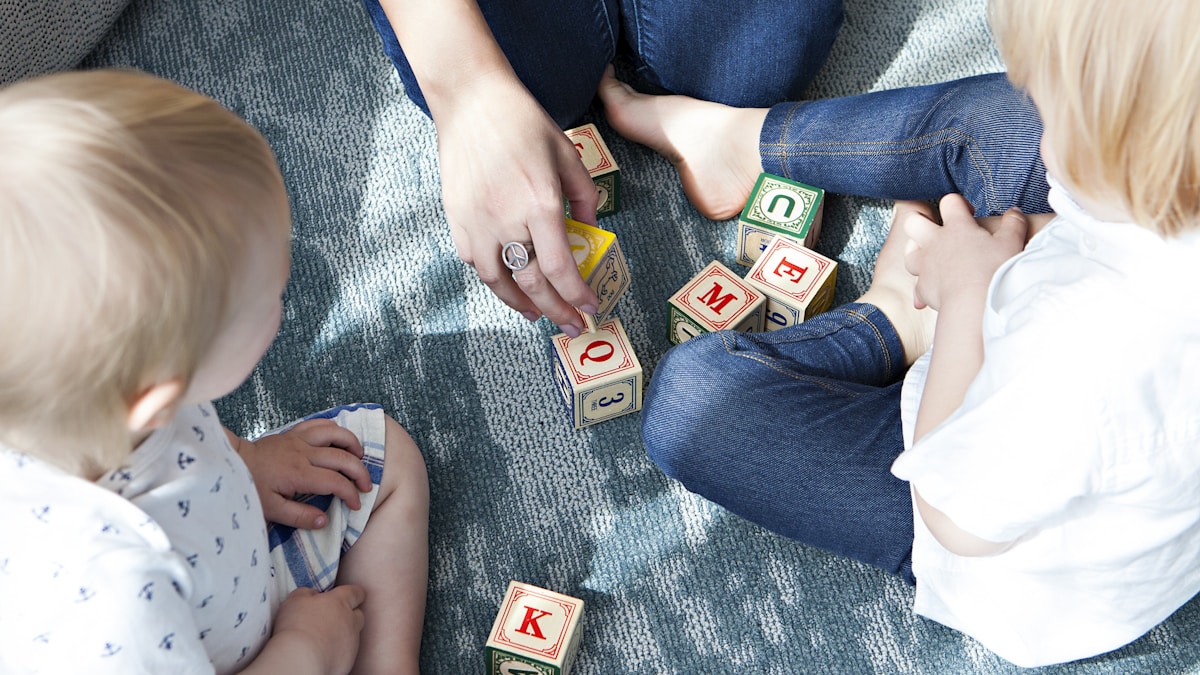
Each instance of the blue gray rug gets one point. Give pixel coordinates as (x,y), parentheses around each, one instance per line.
(379,308)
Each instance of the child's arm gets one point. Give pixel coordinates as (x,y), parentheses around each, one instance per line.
(315,457)
(954,264)
(314,633)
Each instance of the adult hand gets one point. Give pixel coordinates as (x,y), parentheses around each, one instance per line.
(959,257)
(506,169)
(315,457)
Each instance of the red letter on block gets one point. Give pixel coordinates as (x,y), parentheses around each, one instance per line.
(530,622)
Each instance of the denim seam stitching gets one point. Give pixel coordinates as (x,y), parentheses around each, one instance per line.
(782,150)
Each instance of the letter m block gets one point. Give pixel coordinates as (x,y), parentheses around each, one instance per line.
(536,632)
(715,299)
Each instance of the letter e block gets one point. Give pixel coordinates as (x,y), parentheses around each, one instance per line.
(797,282)
(600,166)
(601,264)
(715,299)
(778,207)
(536,631)
(598,374)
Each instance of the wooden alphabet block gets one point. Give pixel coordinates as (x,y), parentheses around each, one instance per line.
(715,299)
(536,632)
(797,282)
(600,165)
(598,374)
(778,207)
(601,264)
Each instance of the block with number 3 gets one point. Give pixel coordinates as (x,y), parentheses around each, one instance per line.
(598,374)
(798,282)
(600,165)
(536,631)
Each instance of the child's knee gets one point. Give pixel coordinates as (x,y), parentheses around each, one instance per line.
(694,389)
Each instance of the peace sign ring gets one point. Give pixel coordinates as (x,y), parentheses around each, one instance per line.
(516,256)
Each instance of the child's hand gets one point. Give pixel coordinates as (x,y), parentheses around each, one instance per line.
(959,257)
(315,457)
(326,626)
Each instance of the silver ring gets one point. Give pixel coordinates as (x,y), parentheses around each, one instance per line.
(516,256)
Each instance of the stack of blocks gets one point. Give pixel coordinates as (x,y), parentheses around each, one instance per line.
(788,282)
(536,632)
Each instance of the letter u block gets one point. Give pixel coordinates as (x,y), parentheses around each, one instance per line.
(598,374)
(798,282)
(715,299)
(600,165)
(536,631)
(778,207)
(601,264)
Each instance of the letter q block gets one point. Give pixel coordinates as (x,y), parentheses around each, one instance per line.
(598,374)
(601,264)
(778,207)
(600,165)
(536,631)
(715,299)
(797,282)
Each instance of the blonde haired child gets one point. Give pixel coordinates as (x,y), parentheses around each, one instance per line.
(1044,448)
(144,249)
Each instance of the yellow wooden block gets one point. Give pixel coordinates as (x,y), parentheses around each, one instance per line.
(601,264)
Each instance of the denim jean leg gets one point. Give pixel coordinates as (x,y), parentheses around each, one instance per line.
(976,136)
(746,53)
(795,430)
(558,50)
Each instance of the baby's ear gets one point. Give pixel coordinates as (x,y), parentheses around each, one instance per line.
(155,406)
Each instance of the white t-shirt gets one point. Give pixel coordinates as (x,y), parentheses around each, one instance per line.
(1079,439)
(159,567)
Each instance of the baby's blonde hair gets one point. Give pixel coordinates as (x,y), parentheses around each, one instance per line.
(1118,86)
(126,206)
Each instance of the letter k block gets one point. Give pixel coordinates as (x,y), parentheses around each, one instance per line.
(536,632)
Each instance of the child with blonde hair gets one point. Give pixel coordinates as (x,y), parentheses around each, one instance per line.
(144,249)
(1036,471)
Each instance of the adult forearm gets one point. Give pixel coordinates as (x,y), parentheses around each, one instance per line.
(449,46)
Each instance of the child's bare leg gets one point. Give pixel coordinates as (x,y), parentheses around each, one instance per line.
(391,561)
(714,147)
(892,287)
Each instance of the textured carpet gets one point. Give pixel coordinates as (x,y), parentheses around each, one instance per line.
(379,308)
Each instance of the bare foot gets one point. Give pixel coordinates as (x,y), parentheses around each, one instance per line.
(892,286)
(714,147)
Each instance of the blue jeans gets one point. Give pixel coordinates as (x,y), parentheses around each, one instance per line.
(708,49)
(976,136)
(795,430)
